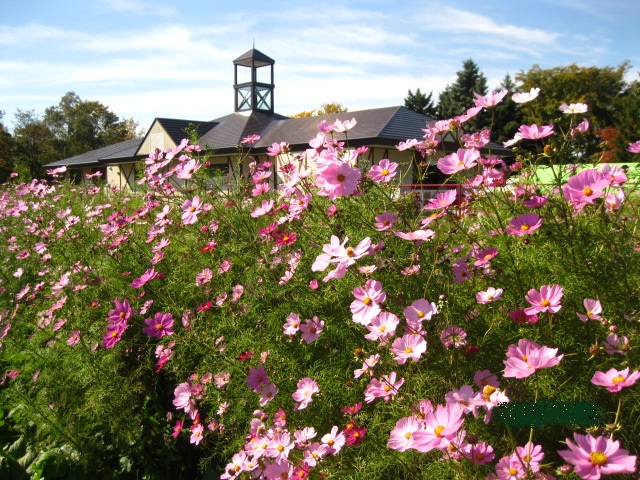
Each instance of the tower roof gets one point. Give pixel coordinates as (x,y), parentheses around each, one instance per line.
(253,58)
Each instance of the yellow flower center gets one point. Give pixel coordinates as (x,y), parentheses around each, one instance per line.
(420,314)
(330,443)
(525,227)
(487,391)
(408,350)
(383,328)
(407,435)
(589,313)
(350,252)
(367,301)
(618,379)
(384,173)
(545,303)
(587,191)
(598,458)
(280,448)
(489,297)
(387,388)
(512,471)
(438,430)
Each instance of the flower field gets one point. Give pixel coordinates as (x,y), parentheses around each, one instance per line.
(332,328)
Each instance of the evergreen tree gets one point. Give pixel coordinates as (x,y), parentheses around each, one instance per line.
(421,103)
(507,116)
(457,97)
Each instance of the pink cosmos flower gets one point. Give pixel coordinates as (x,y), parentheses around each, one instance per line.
(385,221)
(490,100)
(382,327)
(267,392)
(488,296)
(614,344)
(583,188)
(159,326)
(367,366)
(546,300)
(485,256)
(191,209)
(615,380)
(306,388)
(205,276)
(439,428)
(183,398)
(524,97)
(280,446)
(418,237)
(366,305)
(534,132)
(337,179)
(410,346)
(197,434)
(527,357)
(250,139)
(402,435)
(147,276)
(74,338)
(461,160)
(573,108)
(257,378)
(293,324)
(114,334)
(335,440)
(441,200)
(265,207)
(465,398)
(384,171)
(341,127)
(593,309)
(121,313)
(593,457)
(311,329)
(453,336)
(387,387)
(581,128)
(634,147)
(524,224)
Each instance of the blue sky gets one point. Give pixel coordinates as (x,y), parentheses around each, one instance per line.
(169,58)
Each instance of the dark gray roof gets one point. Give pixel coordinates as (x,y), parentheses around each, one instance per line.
(253,58)
(176,129)
(120,150)
(379,126)
(374,127)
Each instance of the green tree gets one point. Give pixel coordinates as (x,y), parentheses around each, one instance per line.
(507,116)
(79,126)
(421,103)
(33,144)
(603,89)
(457,97)
(6,147)
(70,128)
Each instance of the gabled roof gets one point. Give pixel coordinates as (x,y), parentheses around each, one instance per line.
(176,129)
(93,158)
(379,126)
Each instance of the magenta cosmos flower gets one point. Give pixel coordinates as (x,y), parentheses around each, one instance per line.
(524,224)
(634,147)
(546,300)
(593,457)
(524,359)
(615,380)
(159,326)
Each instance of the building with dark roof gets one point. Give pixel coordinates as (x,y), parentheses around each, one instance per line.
(379,129)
